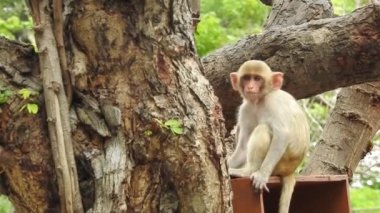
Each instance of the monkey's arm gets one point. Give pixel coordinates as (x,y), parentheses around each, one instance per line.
(238,157)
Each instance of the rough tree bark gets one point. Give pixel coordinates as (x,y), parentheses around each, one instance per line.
(133,65)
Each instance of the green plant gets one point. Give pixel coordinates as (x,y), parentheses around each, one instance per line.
(225,21)
(5,205)
(364,197)
(4,96)
(174,125)
(26,94)
(148,133)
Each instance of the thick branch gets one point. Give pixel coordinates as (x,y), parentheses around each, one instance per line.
(286,12)
(317,56)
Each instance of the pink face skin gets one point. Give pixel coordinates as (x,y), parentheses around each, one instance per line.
(252,85)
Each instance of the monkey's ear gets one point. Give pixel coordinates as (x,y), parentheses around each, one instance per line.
(234,80)
(277,80)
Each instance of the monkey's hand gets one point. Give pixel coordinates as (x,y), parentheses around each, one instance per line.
(259,181)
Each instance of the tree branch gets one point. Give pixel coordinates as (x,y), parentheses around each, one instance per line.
(317,56)
(58,33)
(57,107)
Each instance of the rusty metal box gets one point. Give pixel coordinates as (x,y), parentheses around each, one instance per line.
(312,194)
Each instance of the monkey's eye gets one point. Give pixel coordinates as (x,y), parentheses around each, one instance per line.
(257,78)
(247,77)
(251,77)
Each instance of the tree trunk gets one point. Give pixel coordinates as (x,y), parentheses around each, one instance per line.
(347,136)
(134,70)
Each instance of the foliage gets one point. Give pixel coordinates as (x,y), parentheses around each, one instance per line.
(13,27)
(174,125)
(27,94)
(225,21)
(342,7)
(15,22)
(13,8)
(364,197)
(210,35)
(4,95)
(368,171)
(148,133)
(5,205)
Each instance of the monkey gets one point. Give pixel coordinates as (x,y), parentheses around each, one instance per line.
(272,130)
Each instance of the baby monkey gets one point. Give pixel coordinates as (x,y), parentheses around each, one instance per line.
(272,130)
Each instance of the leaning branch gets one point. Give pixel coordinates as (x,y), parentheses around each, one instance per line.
(317,56)
(57,108)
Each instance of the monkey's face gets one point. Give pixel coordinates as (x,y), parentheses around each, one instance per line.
(252,86)
(255,79)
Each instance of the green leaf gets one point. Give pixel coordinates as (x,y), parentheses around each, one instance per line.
(32,108)
(25,93)
(148,133)
(4,96)
(171,123)
(177,130)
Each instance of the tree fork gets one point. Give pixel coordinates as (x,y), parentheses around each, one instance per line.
(57,107)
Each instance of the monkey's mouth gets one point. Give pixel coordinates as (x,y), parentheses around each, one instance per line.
(253,93)
(253,96)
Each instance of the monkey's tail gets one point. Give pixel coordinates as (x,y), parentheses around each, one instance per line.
(288,183)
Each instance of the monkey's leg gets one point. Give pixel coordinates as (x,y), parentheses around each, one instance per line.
(258,146)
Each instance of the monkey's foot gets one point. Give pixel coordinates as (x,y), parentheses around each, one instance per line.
(259,181)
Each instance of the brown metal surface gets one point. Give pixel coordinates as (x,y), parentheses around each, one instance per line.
(312,194)
(244,198)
